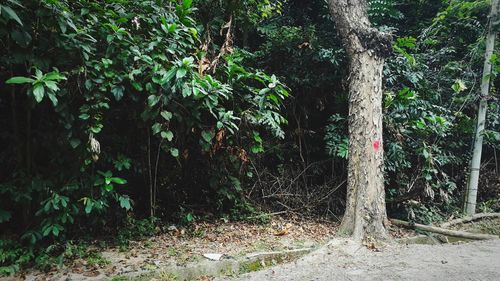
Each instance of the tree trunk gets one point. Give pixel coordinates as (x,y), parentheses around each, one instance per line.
(471,193)
(365,214)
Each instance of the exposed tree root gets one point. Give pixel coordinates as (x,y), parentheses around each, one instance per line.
(469,219)
(444,231)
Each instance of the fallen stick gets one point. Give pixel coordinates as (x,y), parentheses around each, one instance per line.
(267,214)
(444,231)
(469,219)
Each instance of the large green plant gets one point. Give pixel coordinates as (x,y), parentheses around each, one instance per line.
(127,81)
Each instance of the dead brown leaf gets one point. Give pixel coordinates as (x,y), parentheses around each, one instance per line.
(283,230)
(92,273)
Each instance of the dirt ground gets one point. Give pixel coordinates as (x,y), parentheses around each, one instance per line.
(338,260)
(343,260)
(181,246)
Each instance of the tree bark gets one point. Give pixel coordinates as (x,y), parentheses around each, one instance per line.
(471,193)
(367,48)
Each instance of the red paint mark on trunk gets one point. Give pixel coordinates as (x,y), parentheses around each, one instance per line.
(376,145)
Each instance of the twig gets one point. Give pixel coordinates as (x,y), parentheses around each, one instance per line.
(268,214)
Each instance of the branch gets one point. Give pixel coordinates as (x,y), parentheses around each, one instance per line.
(444,231)
(470,218)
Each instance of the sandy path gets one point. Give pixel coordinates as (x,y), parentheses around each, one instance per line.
(343,260)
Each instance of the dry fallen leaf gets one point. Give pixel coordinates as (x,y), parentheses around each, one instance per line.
(110,270)
(92,273)
(371,245)
(283,230)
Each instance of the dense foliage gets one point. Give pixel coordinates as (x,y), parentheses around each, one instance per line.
(114,111)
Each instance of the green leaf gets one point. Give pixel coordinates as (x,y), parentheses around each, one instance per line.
(168,76)
(55,230)
(64,201)
(47,230)
(187,61)
(52,98)
(264,91)
(106,174)
(169,28)
(38,74)
(193,32)
(74,143)
(122,162)
(174,152)
(189,217)
(236,183)
(186,90)
(11,14)
(156,128)
(22,38)
(186,4)
(125,202)
(167,135)
(425,153)
(257,149)
(181,72)
(166,115)
(257,137)
(51,85)
(96,129)
(98,181)
(54,75)
(421,124)
(118,92)
(137,86)
(88,206)
(207,136)
(38,92)
(274,98)
(153,100)
(84,116)
(5,216)
(19,80)
(119,180)
(459,86)
(108,187)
